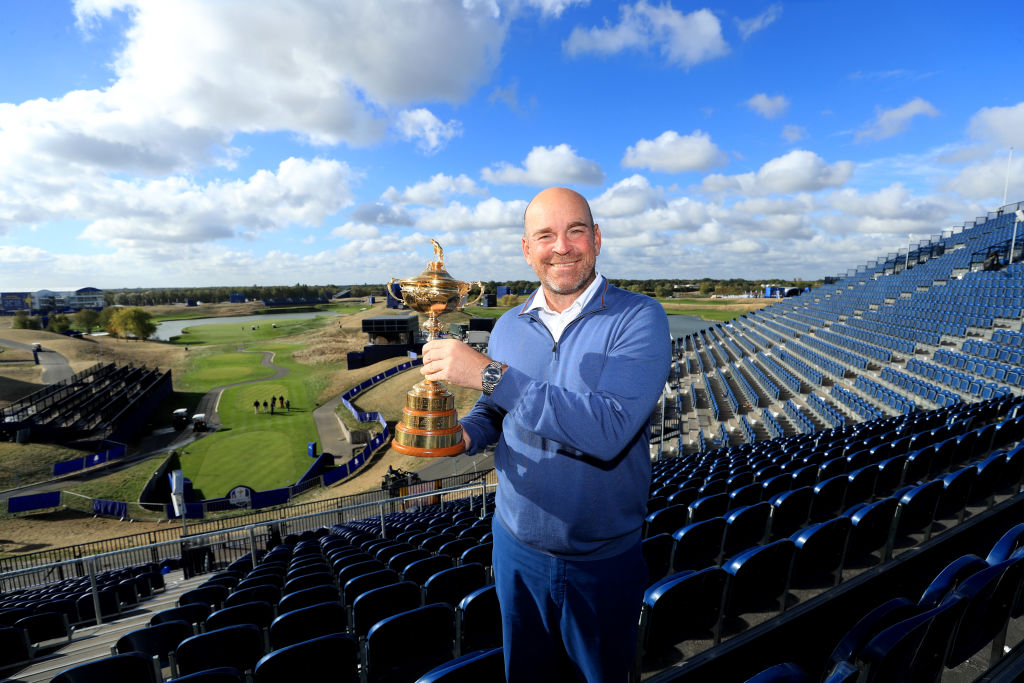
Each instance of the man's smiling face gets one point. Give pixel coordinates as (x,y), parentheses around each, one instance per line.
(561,243)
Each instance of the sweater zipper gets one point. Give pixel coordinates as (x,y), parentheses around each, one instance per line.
(554,344)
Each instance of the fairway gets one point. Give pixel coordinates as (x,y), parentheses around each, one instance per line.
(215,334)
(260,458)
(258,449)
(211,371)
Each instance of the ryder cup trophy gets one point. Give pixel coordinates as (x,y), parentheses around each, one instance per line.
(430,427)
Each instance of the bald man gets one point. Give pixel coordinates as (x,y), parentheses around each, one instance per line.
(567,393)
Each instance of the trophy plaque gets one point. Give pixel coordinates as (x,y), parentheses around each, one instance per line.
(430,426)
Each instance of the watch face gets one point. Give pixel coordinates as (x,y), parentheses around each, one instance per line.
(492,374)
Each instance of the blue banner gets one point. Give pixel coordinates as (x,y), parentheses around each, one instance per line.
(110,508)
(95,459)
(311,450)
(35,501)
(67,466)
(262,499)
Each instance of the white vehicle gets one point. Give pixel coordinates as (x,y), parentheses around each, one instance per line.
(36,346)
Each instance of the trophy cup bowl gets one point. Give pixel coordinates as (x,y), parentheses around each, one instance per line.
(430,426)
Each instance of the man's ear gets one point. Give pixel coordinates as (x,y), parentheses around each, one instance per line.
(597,239)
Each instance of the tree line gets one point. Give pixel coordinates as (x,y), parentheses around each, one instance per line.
(662,288)
(118,322)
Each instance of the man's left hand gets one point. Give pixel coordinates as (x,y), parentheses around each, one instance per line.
(450,360)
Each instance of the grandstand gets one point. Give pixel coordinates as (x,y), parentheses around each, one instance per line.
(836,496)
(105,402)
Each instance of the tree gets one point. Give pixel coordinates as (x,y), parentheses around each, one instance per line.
(58,323)
(509,300)
(131,321)
(87,319)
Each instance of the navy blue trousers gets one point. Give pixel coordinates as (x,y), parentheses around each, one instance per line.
(566,620)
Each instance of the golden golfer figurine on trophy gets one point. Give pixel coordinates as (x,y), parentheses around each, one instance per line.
(430,427)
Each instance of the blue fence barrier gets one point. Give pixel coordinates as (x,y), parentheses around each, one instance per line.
(92,460)
(110,508)
(35,501)
(68,466)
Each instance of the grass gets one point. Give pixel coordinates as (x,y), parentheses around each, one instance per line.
(124,484)
(258,449)
(210,370)
(22,464)
(219,334)
(716,314)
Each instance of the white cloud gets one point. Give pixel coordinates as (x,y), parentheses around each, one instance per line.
(428,130)
(793,133)
(768,107)
(1000,125)
(488,214)
(433,191)
(381,213)
(547,166)
(682,39)
(674,153)
(352,230)
(554,8)
(893,209)
(627,197)
(329,72)
(176,210)
(890,122)
(748,27)
(987,179)
(797,171)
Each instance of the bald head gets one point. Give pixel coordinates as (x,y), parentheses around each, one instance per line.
(558,196)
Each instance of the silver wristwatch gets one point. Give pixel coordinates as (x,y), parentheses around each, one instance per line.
(490,376)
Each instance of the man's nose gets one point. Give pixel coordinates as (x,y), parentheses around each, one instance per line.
(561,243)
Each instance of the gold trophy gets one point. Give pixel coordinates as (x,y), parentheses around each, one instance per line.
(430,427)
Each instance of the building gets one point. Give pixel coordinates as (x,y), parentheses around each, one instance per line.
(50,300)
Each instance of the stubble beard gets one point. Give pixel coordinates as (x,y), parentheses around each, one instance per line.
(576,288)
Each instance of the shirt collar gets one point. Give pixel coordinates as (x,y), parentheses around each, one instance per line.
(540,301)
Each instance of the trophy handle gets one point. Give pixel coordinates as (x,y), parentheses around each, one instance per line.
(392,291)
(479,296)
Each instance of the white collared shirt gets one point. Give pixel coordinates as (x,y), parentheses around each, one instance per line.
(556,322)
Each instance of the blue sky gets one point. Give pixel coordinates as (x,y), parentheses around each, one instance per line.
(147,143)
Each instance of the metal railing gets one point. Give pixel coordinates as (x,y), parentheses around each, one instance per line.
(173,531)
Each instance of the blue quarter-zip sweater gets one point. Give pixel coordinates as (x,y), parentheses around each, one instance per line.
(571,422)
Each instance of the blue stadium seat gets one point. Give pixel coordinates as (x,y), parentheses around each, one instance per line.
(377,604)
(238,647)
(474,667)
(306,623)
(699,545)
(156,641)
(820,553)
(332,657)
(307,597)
(478,621)
(136,667)
(407,645)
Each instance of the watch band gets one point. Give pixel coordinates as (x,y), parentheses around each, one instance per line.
(490,376)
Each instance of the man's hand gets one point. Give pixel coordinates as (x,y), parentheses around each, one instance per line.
(449,360)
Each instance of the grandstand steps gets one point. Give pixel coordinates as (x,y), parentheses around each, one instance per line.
(91,642)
